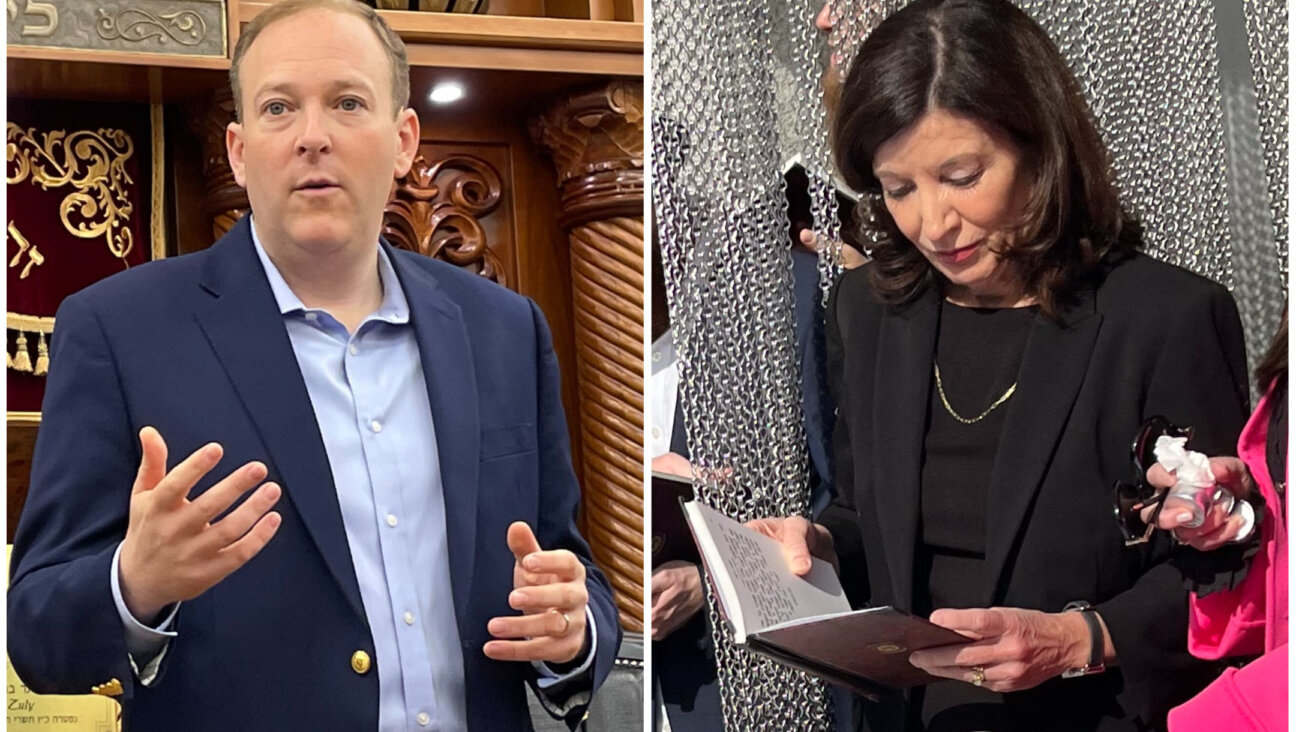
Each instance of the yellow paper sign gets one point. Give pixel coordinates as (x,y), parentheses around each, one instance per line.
(32,712)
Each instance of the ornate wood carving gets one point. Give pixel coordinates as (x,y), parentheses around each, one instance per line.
(166,27)
(596,140)
(436,208)
(226,201)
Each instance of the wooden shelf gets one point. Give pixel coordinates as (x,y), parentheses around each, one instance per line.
(589,48)
(116,57)
(62,77)
(500,30)
(509,43)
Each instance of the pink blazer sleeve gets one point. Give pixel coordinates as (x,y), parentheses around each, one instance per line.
(1250,699)
(1252,618)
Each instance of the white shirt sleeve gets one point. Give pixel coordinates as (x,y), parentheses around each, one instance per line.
(549,678)
(142,642)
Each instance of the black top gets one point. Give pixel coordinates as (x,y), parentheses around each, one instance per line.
(979,353)
(1148,339)
(1276,444)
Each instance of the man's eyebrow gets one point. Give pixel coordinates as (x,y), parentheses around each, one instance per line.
(289,87)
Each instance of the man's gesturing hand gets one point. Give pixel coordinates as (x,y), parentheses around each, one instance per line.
(173,551)
(549,589)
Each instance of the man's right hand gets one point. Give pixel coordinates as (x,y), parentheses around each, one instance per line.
(172,551)
(800,539)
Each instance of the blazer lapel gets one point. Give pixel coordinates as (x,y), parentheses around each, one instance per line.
(905,347)
(1052,370)
(246,330)
(452,391)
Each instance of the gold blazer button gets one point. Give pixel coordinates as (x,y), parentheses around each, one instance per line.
(112,687)
(360,662)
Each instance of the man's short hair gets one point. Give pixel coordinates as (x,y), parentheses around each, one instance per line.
(391,43)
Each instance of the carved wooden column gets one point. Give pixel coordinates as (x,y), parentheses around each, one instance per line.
(225,201)
(596,140)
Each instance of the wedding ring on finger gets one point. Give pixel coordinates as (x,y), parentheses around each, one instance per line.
(978,676)
(566,620)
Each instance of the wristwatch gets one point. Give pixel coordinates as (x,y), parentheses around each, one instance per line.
(1095,665)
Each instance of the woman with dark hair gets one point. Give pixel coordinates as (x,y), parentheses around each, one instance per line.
(991,367)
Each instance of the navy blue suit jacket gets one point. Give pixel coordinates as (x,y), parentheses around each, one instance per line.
(196,347)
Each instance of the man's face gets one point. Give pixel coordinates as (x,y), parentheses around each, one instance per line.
(831,79)
(318,147)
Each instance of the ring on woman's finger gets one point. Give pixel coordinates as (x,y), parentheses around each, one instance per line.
(978,675)
(1174,534)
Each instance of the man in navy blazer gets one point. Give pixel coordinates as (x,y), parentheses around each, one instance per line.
(302,480)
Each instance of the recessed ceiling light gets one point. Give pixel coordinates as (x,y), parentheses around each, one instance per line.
(446,92)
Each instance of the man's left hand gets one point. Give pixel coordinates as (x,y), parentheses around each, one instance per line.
(1016,649)
(549,589)
(676,596)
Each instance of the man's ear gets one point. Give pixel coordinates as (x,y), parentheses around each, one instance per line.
(407,140)
(234,150)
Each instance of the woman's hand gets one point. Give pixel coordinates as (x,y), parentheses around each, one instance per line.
(1220,527)
(673,463)
(800,539)
(1015,649)
(850,256)
(676,596)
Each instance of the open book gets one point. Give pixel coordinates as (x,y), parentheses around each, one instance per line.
(806,622)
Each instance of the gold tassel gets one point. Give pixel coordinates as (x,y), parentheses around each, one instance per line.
(42,357)
(8,360)
(22,359)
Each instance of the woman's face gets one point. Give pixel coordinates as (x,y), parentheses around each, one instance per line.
(955,188)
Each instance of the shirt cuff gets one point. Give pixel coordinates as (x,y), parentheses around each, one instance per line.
(547,675)
(142,642)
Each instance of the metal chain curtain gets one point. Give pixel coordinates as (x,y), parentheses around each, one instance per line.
(736,92)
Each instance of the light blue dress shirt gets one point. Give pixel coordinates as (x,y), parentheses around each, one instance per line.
(371,403)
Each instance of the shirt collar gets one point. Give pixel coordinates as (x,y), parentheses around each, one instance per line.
(393,309)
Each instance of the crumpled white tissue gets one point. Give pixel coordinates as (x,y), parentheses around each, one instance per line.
(1191,469)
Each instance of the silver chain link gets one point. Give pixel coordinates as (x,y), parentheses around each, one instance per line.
(1266,23)
(722,216)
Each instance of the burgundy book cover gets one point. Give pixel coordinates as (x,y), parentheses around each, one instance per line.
(78,179)
(861,650)
(671,538)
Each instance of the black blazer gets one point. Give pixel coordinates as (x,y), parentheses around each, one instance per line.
(1150,339)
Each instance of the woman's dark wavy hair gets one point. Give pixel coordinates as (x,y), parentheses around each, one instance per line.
(988,61)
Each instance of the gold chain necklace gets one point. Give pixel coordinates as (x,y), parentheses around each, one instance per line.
(940,389)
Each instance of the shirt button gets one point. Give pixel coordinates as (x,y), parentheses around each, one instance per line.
(351,349)
(312,316)
(423,719)
(656,356)
(656,433)
(409,618)
(391,520)
(376,426)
